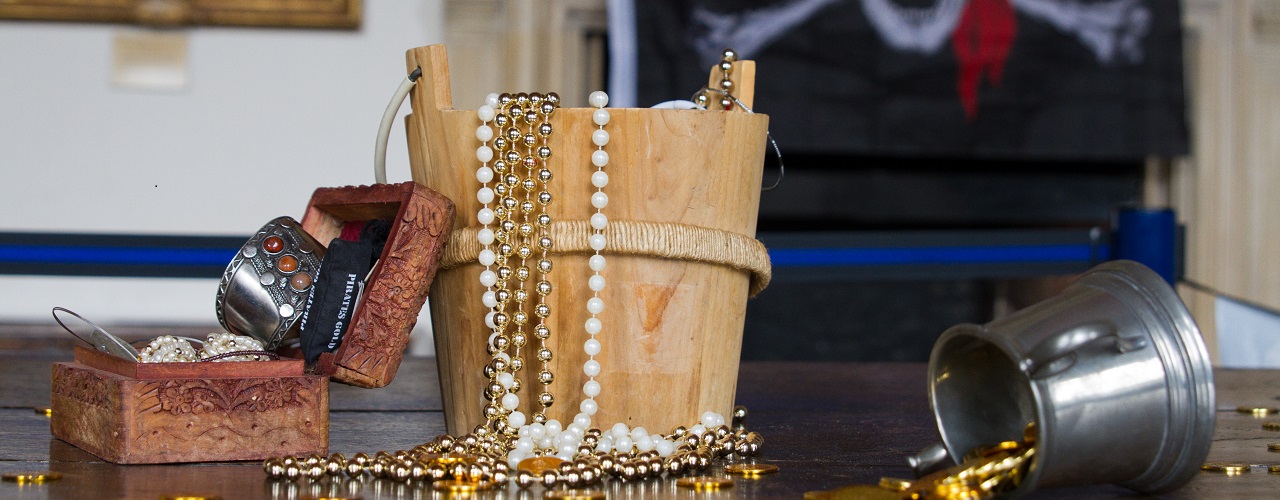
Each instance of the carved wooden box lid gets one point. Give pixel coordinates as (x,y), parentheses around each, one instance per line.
(422,219)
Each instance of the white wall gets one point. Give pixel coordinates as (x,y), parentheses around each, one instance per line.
(268,115)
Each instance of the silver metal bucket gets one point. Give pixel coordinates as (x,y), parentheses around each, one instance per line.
(1113,372)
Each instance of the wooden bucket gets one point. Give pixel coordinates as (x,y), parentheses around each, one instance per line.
(684,193)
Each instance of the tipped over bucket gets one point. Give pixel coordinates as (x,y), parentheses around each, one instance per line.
(1112,371)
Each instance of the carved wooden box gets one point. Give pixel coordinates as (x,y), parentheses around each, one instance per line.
(374,344)
(140,413)
(135,413)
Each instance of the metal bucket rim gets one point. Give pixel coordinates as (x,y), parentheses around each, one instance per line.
(980,333)
(1184,353)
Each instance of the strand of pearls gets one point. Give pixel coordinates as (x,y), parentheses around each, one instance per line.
(486,216)
(549,437)
(170,349)
(595,305)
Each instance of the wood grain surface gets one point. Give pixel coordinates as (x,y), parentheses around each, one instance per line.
(825,425)
(672,329)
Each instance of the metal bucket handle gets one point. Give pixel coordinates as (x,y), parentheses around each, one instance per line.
(1059,352)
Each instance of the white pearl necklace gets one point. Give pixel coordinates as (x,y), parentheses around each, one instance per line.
(170,349)
(552,436)
(599,200)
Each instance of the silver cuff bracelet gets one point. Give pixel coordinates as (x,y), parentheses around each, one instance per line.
(264,290)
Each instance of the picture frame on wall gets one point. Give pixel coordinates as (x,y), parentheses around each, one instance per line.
(308,14)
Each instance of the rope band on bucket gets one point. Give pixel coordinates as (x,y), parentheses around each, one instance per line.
(652,239)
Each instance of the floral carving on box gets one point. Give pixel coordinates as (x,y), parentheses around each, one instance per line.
(80,385)
(198,396)
(398,289)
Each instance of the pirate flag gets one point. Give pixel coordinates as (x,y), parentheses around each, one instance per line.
(1018,79)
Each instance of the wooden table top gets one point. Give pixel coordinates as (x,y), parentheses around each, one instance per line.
(825,425)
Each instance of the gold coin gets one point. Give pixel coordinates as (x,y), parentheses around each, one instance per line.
(32,477)
(1274,447)
(1271,426)
(705,483)
(1229,468)
(1258,411)
(751,470)
(44,410)
(855,492)
(452,458)
(574,495)
(538,464)
(460,486)
(987,451)
(189,497)
(895,484)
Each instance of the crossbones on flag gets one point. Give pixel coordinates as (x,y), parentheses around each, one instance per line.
(1028,79)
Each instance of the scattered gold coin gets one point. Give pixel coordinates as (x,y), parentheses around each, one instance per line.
(1258,411)
(1274,447)
(189,497)
(705,483)
(574,495)
(538,464)
(1274,468)
(32,477)
(751,470)
(895,484)
(461,486)
(853,492)
(1229,468)
(44,410)
(1271,426)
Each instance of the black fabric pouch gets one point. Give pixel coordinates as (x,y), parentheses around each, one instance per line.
(334,296)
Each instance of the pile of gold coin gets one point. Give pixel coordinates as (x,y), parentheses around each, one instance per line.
(986,472)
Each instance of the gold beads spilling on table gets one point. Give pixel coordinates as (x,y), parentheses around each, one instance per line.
(478,461)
